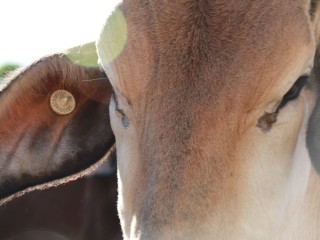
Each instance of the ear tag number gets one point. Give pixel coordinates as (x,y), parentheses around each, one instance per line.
(62,102)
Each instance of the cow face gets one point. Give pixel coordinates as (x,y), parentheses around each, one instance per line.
(210,108)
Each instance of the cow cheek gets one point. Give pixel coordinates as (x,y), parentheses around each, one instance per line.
(129,172)
(268,166)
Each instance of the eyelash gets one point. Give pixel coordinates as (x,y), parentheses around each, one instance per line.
(294,91)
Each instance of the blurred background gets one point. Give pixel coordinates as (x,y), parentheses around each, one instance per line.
(30,29)
(85,209)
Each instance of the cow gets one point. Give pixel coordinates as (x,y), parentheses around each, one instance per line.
(213,118)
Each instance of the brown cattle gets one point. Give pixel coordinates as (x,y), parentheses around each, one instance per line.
(215,112)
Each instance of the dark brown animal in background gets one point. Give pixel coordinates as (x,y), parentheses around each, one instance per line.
(81,210)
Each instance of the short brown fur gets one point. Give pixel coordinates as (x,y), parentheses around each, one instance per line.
(212,67)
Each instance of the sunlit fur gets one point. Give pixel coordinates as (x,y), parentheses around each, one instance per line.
(193,80)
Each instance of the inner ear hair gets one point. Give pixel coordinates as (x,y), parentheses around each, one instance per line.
(49,74)
(55,68)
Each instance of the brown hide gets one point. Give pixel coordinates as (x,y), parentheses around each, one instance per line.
(81,210)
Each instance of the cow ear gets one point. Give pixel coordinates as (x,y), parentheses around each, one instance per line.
(54,125)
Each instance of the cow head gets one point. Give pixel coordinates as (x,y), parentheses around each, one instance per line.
(214,111)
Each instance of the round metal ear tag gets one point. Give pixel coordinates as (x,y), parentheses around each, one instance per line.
(62,102)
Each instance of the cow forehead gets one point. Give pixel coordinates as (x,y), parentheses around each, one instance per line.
(208,45)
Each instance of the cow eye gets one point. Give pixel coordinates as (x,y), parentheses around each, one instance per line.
(120,113)
(294,91)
